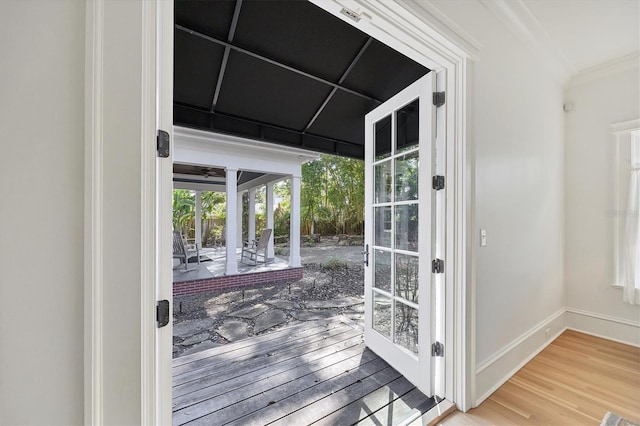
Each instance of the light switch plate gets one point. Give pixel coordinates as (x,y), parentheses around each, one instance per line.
(483,237)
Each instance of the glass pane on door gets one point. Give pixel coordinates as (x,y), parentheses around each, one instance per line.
(407,126)
(382,137)
(406,327)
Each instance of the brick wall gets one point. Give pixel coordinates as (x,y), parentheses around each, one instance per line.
(234,281)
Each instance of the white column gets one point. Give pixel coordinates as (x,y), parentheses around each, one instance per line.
(231,221)
(294,219)
(239,219)
(269,211)
(199,218)
(251,228)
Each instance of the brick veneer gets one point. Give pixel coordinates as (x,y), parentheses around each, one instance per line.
(233,281)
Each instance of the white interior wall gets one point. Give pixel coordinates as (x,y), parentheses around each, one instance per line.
(589,174)
(517,129)
(42,211)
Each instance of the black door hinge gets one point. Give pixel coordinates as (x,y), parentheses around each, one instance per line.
(438,98)
(437,266)
(437,349)
(437,182)
(162,313)
(162,143)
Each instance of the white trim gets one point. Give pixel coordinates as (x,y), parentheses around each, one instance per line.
(607,68)
(518,18)
(602,336)
(164,170)
(507,376)
(517,342)
(608,327)
(148,243)
(443,25)
(498,368)
(225,142)
(625,127)
(603,317)
(93,227)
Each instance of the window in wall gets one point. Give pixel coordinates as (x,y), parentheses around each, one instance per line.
(627,212)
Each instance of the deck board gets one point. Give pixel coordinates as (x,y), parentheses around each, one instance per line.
(314,372)
(277,363)
(188,372)
(218,372)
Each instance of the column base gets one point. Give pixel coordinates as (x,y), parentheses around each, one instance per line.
(295,262)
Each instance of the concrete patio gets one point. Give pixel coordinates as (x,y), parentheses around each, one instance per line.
(212,265)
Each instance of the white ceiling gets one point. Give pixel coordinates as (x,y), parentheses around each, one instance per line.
(585,33)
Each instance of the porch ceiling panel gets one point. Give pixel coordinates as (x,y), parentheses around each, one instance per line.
(343,117)
(281,71)
(212,18)
(196,69)
(310,42)
(270,94)
(382,72)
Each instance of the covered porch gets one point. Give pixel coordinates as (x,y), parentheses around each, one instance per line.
(205,161)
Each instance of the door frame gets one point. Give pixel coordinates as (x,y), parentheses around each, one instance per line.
(430,39)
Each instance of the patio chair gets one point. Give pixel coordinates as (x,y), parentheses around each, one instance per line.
(183,251)
(254,248)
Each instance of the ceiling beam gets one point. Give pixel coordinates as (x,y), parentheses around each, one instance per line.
(274,62)
(261,125)
(225,57)
(344,76)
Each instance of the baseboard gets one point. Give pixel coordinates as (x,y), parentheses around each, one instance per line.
(616,329)
(495,371)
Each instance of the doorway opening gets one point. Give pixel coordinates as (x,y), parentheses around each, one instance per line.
(307,135)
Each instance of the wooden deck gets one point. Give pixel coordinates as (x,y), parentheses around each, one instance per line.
(313,373)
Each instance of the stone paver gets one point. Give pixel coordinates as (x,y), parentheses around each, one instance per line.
(200,347)
(337,303)
(251,311)
(314,315)
(268,320)
(284,304)
(214,310)
(197,338)
(189,328)
(233,330)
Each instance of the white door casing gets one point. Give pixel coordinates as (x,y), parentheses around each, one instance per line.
(402,234)
(414,33)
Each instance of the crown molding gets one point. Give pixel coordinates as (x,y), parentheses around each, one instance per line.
(604,69)
(519,19)
(438,20)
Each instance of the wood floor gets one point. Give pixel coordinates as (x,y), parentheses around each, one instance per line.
(574,381)
(313,373)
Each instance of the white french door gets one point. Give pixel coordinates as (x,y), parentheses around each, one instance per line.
(403,309)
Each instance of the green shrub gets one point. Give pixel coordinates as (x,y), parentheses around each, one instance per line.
(334,263)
